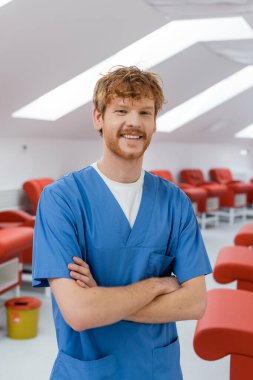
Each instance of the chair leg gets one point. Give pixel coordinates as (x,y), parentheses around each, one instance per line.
(231,216)
(203,221)
(17,291)
(241,367)
(244,216)
(217,220)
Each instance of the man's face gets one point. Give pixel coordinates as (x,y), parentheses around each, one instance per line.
(127,126)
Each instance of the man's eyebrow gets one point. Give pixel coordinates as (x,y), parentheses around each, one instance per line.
(119,105)
(144,108)
(148,108)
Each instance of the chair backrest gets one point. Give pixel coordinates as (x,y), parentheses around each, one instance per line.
(194,177)
(222,176)
(166,174)
(33,189)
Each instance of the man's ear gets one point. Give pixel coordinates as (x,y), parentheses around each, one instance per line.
(155,127)
(97,119)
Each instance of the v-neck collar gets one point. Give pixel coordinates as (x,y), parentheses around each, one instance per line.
(136,234)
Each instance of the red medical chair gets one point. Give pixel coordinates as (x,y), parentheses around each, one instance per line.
(197,196)
(238,193)
(196,178)
(15,218)
(235,264)
(227,329)
(18,218)
(33,189)
(12,243)
(244,236)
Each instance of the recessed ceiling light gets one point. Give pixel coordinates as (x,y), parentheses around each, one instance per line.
(244,152)
(245,133)
(147,52)
(3,2)
(206,100)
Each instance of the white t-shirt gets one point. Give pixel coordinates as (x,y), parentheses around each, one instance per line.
(128,195)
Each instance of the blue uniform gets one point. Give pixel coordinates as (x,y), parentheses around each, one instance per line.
(79,216)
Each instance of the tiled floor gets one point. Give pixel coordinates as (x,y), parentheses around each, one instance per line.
(33,359)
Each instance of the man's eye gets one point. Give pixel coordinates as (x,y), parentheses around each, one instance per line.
(121,111)
(145,113)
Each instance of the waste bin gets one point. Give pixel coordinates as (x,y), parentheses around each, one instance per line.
(22,317)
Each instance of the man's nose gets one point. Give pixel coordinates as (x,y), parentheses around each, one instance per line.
(133,119)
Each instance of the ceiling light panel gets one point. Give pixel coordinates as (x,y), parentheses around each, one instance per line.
(3,2)
(245,133)
(149,51)
(206,100)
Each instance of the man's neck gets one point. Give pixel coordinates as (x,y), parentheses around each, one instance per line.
(120,170)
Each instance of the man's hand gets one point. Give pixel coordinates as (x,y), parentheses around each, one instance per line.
(80,272)
(169,284)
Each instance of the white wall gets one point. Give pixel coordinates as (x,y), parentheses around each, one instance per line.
(175,157)
(42,158)
(52,158)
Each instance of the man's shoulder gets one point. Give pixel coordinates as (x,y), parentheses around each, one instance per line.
(168,189)
(164,183)
(69,182)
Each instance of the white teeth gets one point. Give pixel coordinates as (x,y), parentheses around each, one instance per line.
(131,137)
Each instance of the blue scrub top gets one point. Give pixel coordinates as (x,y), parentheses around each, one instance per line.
(79,216)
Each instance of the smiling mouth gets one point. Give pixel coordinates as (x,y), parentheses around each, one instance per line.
(132,137)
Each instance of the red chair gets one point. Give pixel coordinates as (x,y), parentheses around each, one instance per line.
(13,241)
(33,189)
(197,196)
(238,193)
(227,329)
(15,218)
(195,178)
(235,264)
(244,236)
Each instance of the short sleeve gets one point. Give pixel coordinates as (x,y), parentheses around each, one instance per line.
(55,238)
(191,259)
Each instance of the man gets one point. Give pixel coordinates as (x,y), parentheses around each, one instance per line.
(128,230)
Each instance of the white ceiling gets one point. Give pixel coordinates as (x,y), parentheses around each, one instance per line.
(44,43)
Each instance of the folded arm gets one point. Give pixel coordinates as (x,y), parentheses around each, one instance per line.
(98,306)
(180,302)
(188,302)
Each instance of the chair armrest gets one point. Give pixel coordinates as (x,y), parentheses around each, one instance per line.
(208,183)
(14,240)
(183,185)
(14,216)
(30,222)
(226,327)
(234,263)
(244,236)
(234,181)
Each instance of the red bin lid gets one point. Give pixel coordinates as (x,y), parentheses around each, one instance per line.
(23,303)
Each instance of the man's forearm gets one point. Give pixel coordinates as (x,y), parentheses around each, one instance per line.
(110,305)
(185,303)
(88,308)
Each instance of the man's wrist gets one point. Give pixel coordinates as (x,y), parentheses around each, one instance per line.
(156,286)
(165,285)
